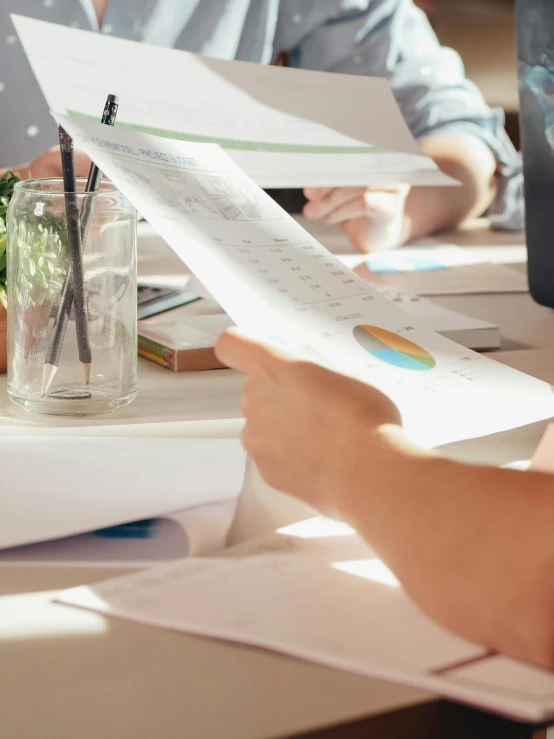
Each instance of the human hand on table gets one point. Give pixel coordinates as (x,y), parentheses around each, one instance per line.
(372,217)
(49,164)
(310,431)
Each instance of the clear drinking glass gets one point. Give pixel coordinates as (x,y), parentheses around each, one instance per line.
(39,265)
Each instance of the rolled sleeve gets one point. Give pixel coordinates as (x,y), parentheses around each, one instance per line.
(394,39)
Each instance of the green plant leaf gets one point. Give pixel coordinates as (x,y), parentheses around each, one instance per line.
(40,247)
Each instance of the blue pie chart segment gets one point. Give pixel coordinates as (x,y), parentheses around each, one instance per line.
(393,349)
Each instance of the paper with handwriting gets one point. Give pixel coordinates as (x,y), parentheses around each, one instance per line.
(327,599)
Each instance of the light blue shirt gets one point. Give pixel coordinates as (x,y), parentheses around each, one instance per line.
(384,38)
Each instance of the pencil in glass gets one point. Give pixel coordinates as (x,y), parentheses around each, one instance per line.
(67,294)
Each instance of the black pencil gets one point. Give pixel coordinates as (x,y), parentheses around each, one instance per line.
(75,250)
(67,293)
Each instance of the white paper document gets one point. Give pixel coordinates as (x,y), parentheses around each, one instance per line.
(54,487)
(278,283)
(200,530)
(284,127)
(469,332)
(325,599)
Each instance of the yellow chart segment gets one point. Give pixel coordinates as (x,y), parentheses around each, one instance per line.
(393,349)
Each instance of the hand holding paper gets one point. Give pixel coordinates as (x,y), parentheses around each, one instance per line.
(312,432)
(281,285)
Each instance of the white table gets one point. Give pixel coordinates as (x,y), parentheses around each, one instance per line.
(67,674)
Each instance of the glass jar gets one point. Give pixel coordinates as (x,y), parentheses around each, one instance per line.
(72,344)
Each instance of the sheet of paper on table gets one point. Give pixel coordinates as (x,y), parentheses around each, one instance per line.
(441,270)
(474,278)
(430,266)
(423,255)
(80,484)
(468,279)
(200,530)
(278,283)
(434,270)
(285,127)
(343,608)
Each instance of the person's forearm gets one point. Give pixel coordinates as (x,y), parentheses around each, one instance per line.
(473,546)
(466,159)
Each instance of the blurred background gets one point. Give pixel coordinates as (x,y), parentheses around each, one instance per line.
(483,33)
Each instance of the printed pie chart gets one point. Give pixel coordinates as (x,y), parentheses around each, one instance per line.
(393,349)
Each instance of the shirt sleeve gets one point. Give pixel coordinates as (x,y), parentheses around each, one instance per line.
(394,39)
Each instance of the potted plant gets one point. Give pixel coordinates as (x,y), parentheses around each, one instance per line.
(7,183)
(42,262)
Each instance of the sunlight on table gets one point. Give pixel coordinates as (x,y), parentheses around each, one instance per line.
(369,569)
(318,527)
(32,616)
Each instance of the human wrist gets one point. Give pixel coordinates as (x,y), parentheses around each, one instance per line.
(394,465)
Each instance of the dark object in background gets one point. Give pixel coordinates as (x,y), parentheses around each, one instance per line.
(535,37)
(513,128)
(152,300)
(293,201)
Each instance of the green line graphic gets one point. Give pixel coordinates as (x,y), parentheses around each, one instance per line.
(243,145)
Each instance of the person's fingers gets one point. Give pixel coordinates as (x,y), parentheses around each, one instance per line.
(244,354)
(356,208)
(398,189)
(372,204)
(318,210)
(317,193)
